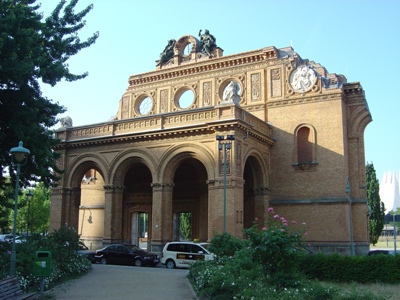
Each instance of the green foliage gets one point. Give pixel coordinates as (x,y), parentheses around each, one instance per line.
(185,225)
(362,269)
(66,262)
(6,205)
(275,245)
(34,215)
(225,244)
(226,277)
(270,265)
(34,49)
(377,215)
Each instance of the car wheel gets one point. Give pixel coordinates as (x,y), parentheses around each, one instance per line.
(138,262)
(170,264)
(103,261)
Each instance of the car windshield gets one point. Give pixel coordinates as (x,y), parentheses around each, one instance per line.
(205,246)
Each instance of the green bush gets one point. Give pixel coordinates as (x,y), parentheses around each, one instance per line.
(362,269)
(275,246)
(225,244)
(270,264)
(66,262)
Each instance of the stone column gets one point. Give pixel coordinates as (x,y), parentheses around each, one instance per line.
(162,217)
(113,214)
(57,218)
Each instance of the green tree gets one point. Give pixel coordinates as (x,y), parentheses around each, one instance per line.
(6,206)
(185,225)
(377,214)
(34,215)
(33,49)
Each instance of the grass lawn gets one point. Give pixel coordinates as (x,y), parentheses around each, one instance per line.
(388,291)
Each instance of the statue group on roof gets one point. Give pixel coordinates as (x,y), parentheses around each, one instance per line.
(206,44)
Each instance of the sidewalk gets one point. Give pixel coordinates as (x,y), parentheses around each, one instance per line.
(126,282)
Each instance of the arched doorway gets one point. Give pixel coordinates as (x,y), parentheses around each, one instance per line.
(190,201)
(253,204)
(91,206)
(137,205)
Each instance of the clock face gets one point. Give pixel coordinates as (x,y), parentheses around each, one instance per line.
(145,106)
(303,79)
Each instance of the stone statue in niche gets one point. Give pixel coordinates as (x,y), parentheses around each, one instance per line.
(231,93)
(207,42)
(167,54)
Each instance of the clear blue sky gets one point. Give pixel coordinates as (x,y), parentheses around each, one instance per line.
(359,39)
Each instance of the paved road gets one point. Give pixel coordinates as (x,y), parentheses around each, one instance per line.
(126,282)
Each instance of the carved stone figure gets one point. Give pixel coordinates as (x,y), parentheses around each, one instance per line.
(66,122)
(303,79)
(168,53)
(207,42)
(231,93)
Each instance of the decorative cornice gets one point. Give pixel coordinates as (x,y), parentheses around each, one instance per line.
(170,125)
(201,67)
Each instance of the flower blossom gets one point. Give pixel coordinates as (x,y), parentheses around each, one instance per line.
(271,210)
(276,217)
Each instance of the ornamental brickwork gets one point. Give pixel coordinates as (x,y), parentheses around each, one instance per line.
(206,142)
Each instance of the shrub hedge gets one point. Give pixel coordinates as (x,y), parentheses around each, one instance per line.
(362,269)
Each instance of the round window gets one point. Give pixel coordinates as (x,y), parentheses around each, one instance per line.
(186,99)
(145,106)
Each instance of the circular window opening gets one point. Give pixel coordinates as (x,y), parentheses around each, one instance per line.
(186,99)
(188,49)
(145,106)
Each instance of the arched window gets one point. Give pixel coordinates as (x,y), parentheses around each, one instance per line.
(305,149)
(304,145)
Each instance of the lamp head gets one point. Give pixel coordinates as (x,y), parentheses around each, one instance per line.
(19,153)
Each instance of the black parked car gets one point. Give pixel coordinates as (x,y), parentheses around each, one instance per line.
(89,254)
(119,254)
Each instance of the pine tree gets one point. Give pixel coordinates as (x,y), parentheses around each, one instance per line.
(377,215)
(33,49)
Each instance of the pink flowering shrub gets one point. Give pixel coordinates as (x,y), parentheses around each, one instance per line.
(275,245)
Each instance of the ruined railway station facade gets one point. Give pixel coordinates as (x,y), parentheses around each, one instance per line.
(211,142)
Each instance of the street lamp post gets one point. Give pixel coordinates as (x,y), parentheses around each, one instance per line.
(225,144)
(19,157)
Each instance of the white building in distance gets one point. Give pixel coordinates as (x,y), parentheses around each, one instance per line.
(389,190)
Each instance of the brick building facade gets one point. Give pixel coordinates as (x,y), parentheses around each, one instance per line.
(296,144)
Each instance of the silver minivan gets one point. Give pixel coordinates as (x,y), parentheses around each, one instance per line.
(182,254)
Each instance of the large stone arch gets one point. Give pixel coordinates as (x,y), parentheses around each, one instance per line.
(185,171)
(126,201)
(171,158)
(119,164)
(83,204)
(82,162)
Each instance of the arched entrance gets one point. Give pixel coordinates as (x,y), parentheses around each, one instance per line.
(253,200)
(137,205)
(190,201)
